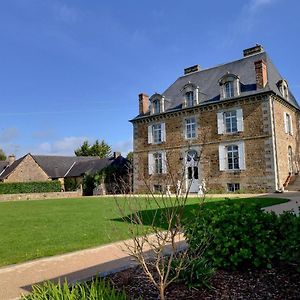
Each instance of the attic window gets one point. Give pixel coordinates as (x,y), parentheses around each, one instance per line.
(190,95)
(229,86)
(283,88)
(189,98)
(157,104)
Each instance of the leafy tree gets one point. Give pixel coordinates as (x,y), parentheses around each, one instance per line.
(2,155)
(100,149)
(130,156)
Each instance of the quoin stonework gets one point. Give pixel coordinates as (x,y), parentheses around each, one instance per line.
(235,125)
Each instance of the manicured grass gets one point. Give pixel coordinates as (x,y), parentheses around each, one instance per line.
(33,229)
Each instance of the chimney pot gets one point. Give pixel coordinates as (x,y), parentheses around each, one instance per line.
(117,154)
(143,103)
(192,69)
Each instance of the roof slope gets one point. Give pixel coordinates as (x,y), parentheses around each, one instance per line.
(208,82)
(9,169)
(58,166)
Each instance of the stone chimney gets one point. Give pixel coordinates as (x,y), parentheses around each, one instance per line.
(143,103)
(261,74)
(253,50)
(117,154)
(11,159)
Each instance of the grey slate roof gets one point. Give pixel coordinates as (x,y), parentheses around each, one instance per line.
(208,82)
(58,166)
(3,165)
(11,168)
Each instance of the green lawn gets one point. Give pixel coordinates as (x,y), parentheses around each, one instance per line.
(32,229)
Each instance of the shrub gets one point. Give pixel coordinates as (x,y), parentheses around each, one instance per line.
(30,187)
(197,272)
(96,289)
(241,235)
(71,184)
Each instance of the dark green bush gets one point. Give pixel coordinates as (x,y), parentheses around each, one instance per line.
(244,236)
(30,187)
(71,184)
(97,290)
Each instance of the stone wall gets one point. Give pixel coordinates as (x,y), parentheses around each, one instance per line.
(27,170)
(284,140)
(40,196)
(257,136)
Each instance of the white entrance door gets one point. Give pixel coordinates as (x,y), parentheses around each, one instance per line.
(192,171)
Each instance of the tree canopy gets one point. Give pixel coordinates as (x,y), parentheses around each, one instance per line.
(101,149)
(2,155)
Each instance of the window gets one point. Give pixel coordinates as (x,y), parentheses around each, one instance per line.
(232,187)
(228,89)
(283,88)
(232,156)
(157,162)
(156,106)
(189,97)
(190,128)
(229,86)
(156,133)
(288,124)
(230,121)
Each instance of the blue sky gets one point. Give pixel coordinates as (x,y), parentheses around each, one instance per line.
(72,70)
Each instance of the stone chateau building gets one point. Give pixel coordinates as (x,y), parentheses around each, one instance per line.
(235,125)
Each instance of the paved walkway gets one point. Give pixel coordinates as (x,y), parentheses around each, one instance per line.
(82,265)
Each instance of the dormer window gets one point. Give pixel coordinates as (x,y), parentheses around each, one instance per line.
(229,86)
(157,104)
(283,88)
(189,98)
(190,95)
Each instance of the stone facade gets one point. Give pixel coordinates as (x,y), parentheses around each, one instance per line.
(265,142)
(28,170)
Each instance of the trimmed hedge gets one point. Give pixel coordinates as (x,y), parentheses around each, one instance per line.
(244,236)
(30,187)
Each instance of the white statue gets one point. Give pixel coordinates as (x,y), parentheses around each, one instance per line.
(202,187)
(168,191)
(178,188)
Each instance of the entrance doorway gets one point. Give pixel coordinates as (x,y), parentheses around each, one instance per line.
(192,171)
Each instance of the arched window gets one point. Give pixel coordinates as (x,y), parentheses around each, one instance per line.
(283,88)
(189,97)
(156,106)
(229,86)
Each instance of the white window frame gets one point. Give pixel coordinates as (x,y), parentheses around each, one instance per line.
(190,128)
(190,98)
(157,163)
(156,106)
(221,123)
(154,130)
(288,123)
(223,156)
(230,115)
(228,89)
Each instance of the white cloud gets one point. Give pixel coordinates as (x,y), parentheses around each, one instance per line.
(8,134)
(123,146)
(64,146)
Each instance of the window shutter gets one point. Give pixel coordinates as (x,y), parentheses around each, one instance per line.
(291,124)
(150,163)
(242,156)
(222,158)
(163,132)
(150,137)
(240,121)
(285,124)
(164,162)
(220,119)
